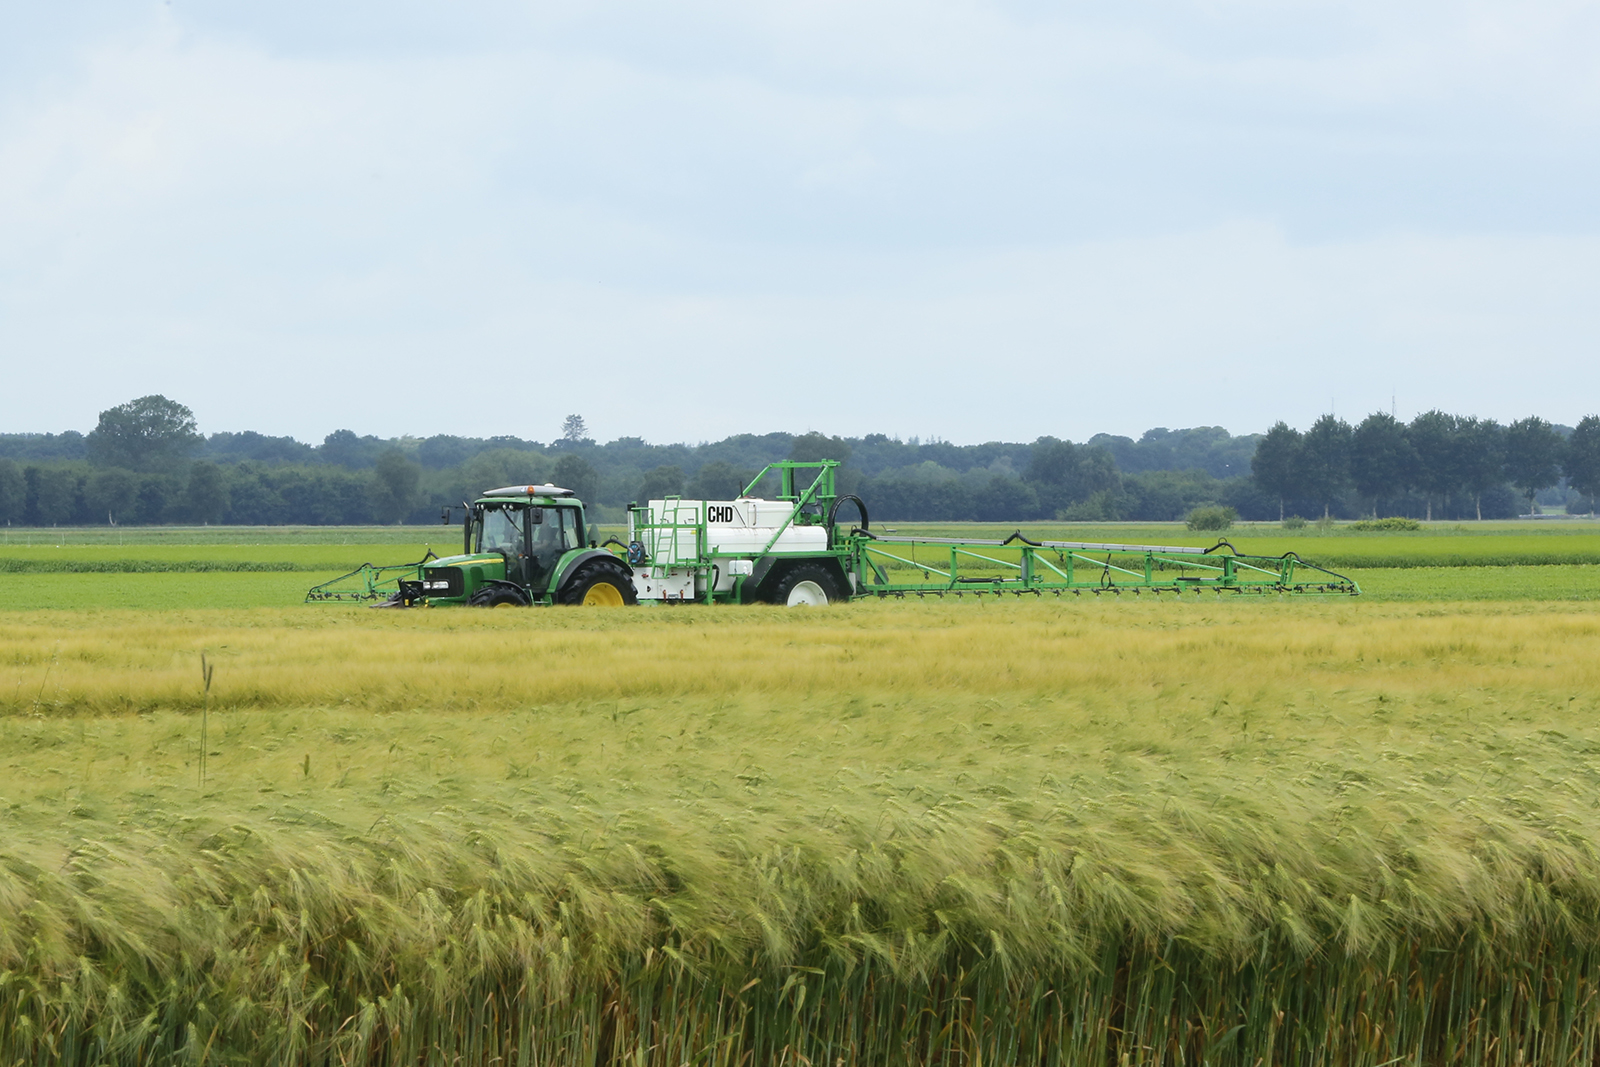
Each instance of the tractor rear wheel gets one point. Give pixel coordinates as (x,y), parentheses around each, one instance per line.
(806,585)
(600,584)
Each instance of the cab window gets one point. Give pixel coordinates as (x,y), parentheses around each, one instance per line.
(500,529)
(562,529)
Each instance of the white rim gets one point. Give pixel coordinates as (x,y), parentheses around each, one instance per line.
(807,595)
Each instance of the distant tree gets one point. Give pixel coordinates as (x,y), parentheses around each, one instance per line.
(205,497)
(155,500)
(343,448)
(574,432)
(147,434)
(661,482)
(394,485)
(1382,461)
(574,472)
(1276,463)
(23,447)
(719,481)
(810,447)
(443,450)
(52,495)
(1100,506)
(112,494)
(1582,461)
(922,492)
(1005,499)
(496,467)
(253,498)
(1433,434)
(251,445)
(1480,457)
(1063,474)
(1533,456)
(13,493)
(1324,461)
(1161,496)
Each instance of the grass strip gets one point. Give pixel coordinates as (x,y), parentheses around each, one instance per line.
(148,566)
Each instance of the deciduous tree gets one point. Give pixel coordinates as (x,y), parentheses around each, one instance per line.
(344,448)
(1324,463)
(1433,434)
(719,481)
(13,493)
(1582,461)
(151,433)
(574,472)
(1533,456)
(1276,462)
(1062,473)
(1480,457)
(810,447)
(1382,461)
(112,494)
(205,497)
(661,482)
(394,485)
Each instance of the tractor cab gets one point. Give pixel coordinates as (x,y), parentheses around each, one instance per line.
(530,537)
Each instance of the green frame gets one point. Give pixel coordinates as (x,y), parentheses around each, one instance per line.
(1017,565)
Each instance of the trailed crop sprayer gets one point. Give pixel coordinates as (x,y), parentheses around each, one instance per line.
(532,544)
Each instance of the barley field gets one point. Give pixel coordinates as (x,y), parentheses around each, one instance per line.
(1078,831)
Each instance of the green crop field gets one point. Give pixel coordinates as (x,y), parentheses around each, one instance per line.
(1086,830)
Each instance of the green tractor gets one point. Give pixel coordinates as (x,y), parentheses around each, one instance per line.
(522,545)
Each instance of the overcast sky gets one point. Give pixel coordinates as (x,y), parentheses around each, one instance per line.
(682,220)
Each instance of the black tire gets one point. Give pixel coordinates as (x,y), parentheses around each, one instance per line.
(599,583)
(791,588)
(497,596)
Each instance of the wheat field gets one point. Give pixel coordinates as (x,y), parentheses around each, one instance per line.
(1065,832)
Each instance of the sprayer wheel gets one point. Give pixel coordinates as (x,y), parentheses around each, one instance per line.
(806,585)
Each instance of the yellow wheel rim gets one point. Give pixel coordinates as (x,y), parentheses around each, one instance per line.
(505,604)
(602,595)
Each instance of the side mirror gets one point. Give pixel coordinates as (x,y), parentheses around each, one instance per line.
(444,515)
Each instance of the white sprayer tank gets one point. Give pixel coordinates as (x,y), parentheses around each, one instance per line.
(737,532)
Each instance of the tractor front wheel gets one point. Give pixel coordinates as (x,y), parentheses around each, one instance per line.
(497,596)
(600,584)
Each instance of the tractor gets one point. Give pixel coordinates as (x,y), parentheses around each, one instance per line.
(522,545)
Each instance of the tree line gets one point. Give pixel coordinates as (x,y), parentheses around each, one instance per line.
(146,463)
(1438,458)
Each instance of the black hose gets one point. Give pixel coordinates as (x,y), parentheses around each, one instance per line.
(833,513)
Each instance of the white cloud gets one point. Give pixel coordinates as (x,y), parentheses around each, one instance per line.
(965,219)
